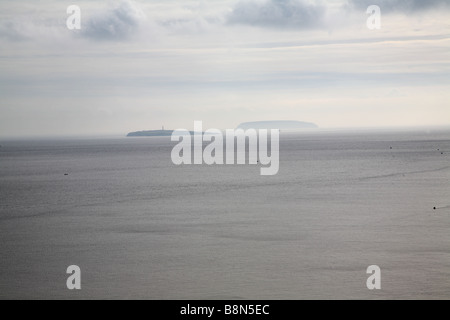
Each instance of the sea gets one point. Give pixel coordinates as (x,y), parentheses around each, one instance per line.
(140,227)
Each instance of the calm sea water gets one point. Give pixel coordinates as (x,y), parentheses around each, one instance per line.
(140,227)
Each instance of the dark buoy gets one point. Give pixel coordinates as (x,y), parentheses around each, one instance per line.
(390,148)
(434,208)
(442,153)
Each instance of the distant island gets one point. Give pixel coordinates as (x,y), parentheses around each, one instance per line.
(159,133)
(150,133)
(282,125)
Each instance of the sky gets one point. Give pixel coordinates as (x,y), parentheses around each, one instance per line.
(139,65)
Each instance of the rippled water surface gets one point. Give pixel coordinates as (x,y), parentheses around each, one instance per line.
(140,227)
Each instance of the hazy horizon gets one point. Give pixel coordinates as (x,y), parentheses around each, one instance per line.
(319,130)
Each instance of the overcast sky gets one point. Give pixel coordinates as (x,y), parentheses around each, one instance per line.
(137,65)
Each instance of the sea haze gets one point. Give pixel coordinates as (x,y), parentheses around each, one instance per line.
(140,227)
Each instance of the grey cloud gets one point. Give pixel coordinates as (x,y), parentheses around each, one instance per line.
(406,6)
(26,27)
(118,23)
(278,14)
(13,31)
(121,22)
